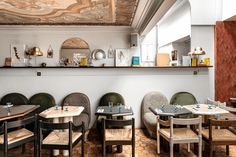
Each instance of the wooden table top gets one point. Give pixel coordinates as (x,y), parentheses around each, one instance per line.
(16,111)
(204,109)
(57,112)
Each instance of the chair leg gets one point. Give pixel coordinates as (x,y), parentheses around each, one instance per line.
(35,149)
(103,149)
(133,150)
(82,148)
(227,150)
(171,149)
(200,149)
(211,150)
(23,148)
(188,147)
(158,143)
(70,153)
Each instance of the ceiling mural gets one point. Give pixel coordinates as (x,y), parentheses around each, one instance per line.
(92,12)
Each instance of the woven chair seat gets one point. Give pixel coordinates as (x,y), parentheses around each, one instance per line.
(17,135)
(118,134)
(219,134)
(60,138)
(180,133)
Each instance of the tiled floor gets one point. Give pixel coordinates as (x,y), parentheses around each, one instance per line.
(145,147)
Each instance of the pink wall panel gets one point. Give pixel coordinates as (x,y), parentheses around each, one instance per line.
(225,61)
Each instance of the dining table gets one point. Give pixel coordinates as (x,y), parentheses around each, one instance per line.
(15,111)
(62,114)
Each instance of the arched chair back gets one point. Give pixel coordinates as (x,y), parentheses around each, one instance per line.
(79,99)
(45,101)
(183,98)
(116,98)
(15,99)
(152,99)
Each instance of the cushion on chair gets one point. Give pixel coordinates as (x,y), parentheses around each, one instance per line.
(17,135)
(149,120)
(183,98)
(219,134)
(118,134)
(15,99)
(60,138)
(180,133)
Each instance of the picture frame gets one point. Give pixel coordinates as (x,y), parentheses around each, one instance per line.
(122,57)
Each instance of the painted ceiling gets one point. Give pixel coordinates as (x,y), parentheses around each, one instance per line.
(74,12)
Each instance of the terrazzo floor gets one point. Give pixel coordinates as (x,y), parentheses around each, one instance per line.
(145,147)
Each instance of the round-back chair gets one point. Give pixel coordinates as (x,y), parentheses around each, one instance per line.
(45,101)
(152,99)
(113,97)
(15,99)
(183,98)
(79,99)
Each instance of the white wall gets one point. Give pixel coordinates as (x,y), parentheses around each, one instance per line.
(203,36)
(229,9)
(205,12)
(96,37)
(175,25)
(133,84)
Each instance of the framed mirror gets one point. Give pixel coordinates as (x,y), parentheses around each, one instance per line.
(74,52)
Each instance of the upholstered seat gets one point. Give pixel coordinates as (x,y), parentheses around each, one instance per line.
(219,134)
(79,99)
(17,135)
(15,99)
(152,99)
(118,134)
(60,138)
(180,134)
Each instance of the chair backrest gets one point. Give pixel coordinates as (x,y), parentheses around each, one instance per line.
(78,99)
(154,99)
(45,101)
(111,97)
(15,99)
(183,98)
(49,126)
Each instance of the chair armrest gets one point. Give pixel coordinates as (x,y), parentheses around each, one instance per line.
(163,122)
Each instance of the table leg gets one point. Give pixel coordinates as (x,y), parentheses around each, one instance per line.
(65,120)
(55,151)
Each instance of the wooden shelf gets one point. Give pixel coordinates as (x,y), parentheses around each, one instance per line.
(109,67)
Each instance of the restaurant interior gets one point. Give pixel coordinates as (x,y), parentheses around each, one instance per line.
(118,78)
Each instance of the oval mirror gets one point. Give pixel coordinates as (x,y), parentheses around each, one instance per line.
(74,52)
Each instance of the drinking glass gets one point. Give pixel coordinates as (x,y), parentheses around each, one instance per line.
(110,105)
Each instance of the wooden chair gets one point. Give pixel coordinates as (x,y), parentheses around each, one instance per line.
(179,135)
(118,136)
(57,139)
(219,134)
(14,134)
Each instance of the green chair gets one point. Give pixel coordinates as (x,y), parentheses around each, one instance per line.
(183,98)
(15,99)
(113,97)
(79,99)
(45,101)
